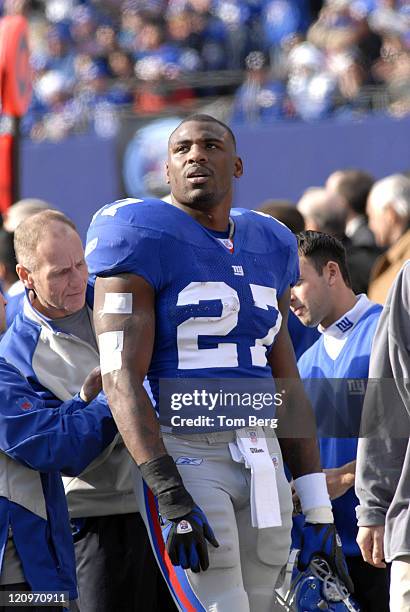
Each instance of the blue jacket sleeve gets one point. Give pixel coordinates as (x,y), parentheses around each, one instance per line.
(45,439)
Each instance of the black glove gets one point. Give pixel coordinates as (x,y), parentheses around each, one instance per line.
(186,542)
(322,540)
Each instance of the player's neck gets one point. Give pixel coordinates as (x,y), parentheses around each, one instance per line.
(215,219)
(345,301)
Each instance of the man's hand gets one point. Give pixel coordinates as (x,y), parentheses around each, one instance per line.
(92,385)
(370,541)
(186,542)
(339,480)
(322,540)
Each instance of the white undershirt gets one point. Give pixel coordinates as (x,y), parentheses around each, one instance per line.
(335,336)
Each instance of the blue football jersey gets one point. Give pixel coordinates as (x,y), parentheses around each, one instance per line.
(336,387)
(216,311)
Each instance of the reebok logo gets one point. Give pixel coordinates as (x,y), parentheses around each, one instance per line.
(188,461)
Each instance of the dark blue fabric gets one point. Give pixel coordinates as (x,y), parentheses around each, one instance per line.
(49,440)
(302,337)
(14,305)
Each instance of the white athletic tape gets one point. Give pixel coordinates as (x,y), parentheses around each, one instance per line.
(117,303)
(111,345)
(313,495)
(319,515)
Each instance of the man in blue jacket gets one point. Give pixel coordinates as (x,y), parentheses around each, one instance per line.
(52,342)
(38,439)
(335,370)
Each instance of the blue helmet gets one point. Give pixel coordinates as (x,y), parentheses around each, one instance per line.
(317,588)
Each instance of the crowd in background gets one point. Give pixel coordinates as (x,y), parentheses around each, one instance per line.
(274,59)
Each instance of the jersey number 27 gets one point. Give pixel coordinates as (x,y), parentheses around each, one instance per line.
(225,355)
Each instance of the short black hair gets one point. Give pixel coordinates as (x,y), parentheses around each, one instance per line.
(354,187)
(321,248)
(7,255)
(202,118)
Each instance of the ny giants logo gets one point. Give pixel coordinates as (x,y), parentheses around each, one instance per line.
(344,325)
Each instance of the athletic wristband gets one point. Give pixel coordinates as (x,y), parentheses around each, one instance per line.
(314,497)
(164,480)
(319,515)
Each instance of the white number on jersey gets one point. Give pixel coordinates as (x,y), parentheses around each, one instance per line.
(225,354)
(264,297)
(190,356)
(111,211)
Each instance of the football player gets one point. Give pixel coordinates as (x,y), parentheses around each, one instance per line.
(196,290)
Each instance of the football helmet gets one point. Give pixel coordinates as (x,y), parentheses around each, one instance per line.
(317,588)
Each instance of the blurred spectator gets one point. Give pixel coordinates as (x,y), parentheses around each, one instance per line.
(121,66)
(152,96)
(391,17)
(260,98)
(353,187)
(10,285)
(342,25)
(21,210)
(152,43)
(8,274)
(235,16)
(282,19)
(393,70)
(52,96)
(285,212)
(311,87)
(106,39)
(325,211)
(58,55)
(322,211)
(15,215)
(388,209)
(83,26)
(209,34)
(97,87)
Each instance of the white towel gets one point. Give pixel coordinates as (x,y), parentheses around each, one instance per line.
(251,448)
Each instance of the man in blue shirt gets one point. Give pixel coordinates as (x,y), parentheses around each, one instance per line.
(39,438)
(335,369)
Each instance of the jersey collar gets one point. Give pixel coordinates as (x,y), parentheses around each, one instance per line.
(343,327)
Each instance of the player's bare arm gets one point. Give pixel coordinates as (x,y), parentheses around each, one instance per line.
(300,454)
(129,316)
(128,400)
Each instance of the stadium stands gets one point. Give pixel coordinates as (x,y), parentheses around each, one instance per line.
(94,58)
